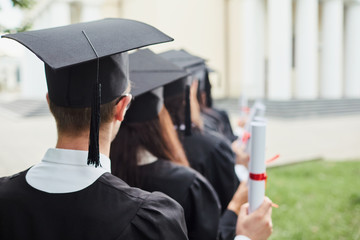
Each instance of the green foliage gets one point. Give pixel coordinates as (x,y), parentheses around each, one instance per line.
(318,200)
(18,29)
(23,3)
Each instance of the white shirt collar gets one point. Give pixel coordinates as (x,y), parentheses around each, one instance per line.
(64,171)
(145,157)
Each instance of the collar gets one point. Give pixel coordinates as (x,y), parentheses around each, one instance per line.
(145,157)
(64,171)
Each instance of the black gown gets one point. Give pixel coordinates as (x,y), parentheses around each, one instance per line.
(107,209)
(195,195)
(211,155)
(218,120)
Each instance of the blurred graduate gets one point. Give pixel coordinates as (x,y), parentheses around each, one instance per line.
(148,154)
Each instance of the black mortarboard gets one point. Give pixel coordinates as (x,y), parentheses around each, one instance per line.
(148,73)
(182,58)
(85,65)
(192,64)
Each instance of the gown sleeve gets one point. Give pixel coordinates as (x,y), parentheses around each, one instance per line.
(227,225)
(158,217)
(228,132)
(202,210)
(224,179)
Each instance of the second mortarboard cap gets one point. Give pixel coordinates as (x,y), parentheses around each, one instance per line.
(85,63)
(148,73)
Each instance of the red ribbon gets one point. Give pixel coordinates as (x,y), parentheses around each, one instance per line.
(258,177)
(245,137)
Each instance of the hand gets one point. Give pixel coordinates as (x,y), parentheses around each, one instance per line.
(257,225)
(241,122)
(240,197)
(241,156)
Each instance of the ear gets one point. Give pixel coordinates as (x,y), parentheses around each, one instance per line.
(47,98)
(121,108)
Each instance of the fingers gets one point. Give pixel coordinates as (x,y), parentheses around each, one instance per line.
(244,210)
(265,207)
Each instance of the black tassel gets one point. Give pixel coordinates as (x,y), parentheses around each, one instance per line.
(93,157)
(187,112)
(94,153)
(208,90)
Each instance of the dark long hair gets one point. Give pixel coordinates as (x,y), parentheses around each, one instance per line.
(156,136)
(176,108)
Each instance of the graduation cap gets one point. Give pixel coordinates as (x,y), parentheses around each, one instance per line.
(86,64)
(192,64)
(148,73)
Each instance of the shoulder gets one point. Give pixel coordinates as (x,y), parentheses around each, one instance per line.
(200,140)
(119,187)
(7,182)
(146,200)
(208,142)
(169,170)
(137,195)
(157,216)
(195,182)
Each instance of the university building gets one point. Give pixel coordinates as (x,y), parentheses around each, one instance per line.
(269,49)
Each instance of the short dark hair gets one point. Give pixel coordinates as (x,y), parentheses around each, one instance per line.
(77,120)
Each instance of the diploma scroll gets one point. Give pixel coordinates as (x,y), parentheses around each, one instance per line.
(257,167)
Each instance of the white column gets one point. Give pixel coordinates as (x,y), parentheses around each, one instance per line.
(280,51)
(306,49)
(352,50)
(252,48)
(91,10)
(332,49)
(60,13)
(33,82)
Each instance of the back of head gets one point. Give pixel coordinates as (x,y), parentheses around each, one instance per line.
(70,91)
(156,135)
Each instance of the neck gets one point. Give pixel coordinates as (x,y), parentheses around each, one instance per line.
(80,141)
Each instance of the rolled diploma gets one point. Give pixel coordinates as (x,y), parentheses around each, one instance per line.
(260,109)
(248,145)
(257,165)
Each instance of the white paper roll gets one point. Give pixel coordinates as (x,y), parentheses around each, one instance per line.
(257,165)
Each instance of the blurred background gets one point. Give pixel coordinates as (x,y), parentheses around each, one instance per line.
(301,58)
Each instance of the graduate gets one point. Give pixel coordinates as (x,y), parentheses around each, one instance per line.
(209,153)
(71,194)
(212,119)
(152,157)
(216,116)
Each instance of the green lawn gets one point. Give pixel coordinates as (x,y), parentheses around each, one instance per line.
(318,200)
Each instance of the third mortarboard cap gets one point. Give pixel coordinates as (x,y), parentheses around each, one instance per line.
(182,58)
(193,64)
(148,73)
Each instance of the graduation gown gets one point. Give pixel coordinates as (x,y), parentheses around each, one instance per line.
(107,209)
(211,155)
(195,195)
(218,121)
